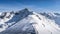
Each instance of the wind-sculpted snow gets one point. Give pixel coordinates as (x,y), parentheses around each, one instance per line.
(26,22)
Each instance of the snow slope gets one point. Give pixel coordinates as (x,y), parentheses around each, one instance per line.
(26,22)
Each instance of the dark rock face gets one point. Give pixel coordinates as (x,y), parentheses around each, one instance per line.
(3,15)
(1,25)
(20,15)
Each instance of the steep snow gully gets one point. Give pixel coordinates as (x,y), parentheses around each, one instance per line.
(28,22)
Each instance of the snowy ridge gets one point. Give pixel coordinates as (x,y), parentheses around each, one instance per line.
(26,22)
(46,25)
(52,16)
(4,17)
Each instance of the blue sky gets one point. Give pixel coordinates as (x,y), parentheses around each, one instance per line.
(35,5)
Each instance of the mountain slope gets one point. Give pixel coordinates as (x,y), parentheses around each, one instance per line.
(52,16)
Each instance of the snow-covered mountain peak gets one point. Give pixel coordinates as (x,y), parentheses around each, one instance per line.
(10,18)
(27,22)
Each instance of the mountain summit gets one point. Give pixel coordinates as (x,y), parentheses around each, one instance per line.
(27,22)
